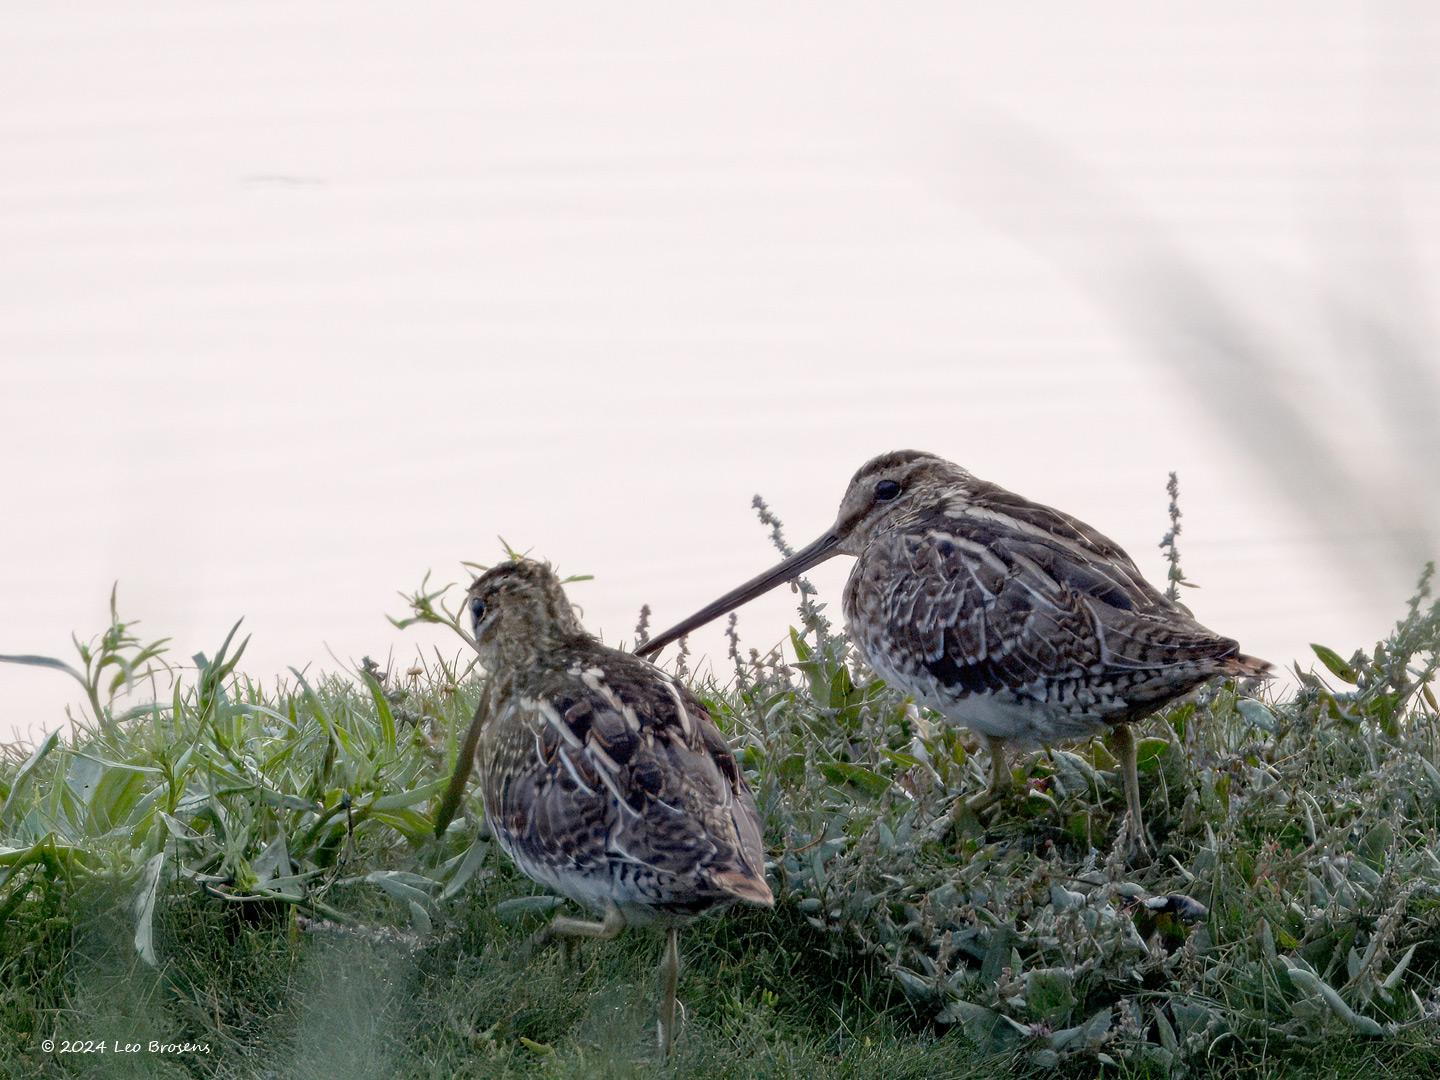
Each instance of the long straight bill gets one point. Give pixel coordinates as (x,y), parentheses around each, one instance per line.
(792,567)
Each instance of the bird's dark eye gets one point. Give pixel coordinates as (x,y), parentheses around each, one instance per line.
(886,490)
(477,610)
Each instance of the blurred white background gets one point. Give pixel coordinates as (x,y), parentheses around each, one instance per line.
(298,301)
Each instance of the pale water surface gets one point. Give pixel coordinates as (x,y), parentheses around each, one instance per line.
(297,301)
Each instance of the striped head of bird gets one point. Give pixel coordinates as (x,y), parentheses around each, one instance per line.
(518,612)
(887,491)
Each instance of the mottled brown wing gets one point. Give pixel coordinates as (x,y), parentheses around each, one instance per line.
(632,768)
(537,799)
(698,810)
(1070,550)
(1000,594)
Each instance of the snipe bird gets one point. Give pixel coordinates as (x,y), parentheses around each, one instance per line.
(1007,617)
(603,778)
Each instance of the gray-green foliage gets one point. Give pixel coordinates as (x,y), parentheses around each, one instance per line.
(252,797)
(1305,828)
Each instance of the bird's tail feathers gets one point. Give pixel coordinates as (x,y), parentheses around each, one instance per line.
(744,885)
(1248,667)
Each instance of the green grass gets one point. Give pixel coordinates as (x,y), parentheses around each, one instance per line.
(469,1002)
(765,996)
(254,871)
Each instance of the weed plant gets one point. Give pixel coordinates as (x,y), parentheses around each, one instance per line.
(253,870)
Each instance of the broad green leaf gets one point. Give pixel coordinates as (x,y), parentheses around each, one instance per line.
(904,760)
(792,768)
(411,797)
(843,772)
(82,778)
(1308,980)
(1148,753)
(802,651)
(178,828)
(1050,994)
(1393,979)
(1338,666)
(145,907)
(474,858)
(1063,899)
(1087,1034)
(253,709)
(400,885)
(511,910)
(285,802)
(414,827)
(110,764)
(1257,715)
(322,714)
(273,862)
(113,798)
(1044,800)
(46,662)
(1166,1032)
(36,757)
(54,856)
(382,712)
(993,1031)
(1073,774)
(16,856)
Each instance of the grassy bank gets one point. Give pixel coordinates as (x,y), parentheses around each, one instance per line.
(252,870)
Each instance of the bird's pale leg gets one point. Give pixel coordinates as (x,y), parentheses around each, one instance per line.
(669,980)
(1125,743)
(1000,779)
(564,927)
(1000,784)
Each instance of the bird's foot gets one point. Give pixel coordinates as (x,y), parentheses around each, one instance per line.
(1133,843)
(1139,852)
(976,806)
(986,799)
(666,1040)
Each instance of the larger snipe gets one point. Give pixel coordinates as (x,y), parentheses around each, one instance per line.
(1007,617)
(603,778)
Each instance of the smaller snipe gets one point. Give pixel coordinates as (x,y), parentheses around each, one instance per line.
(603,778)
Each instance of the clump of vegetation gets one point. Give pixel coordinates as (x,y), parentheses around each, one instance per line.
(1294,898)
(206,866)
